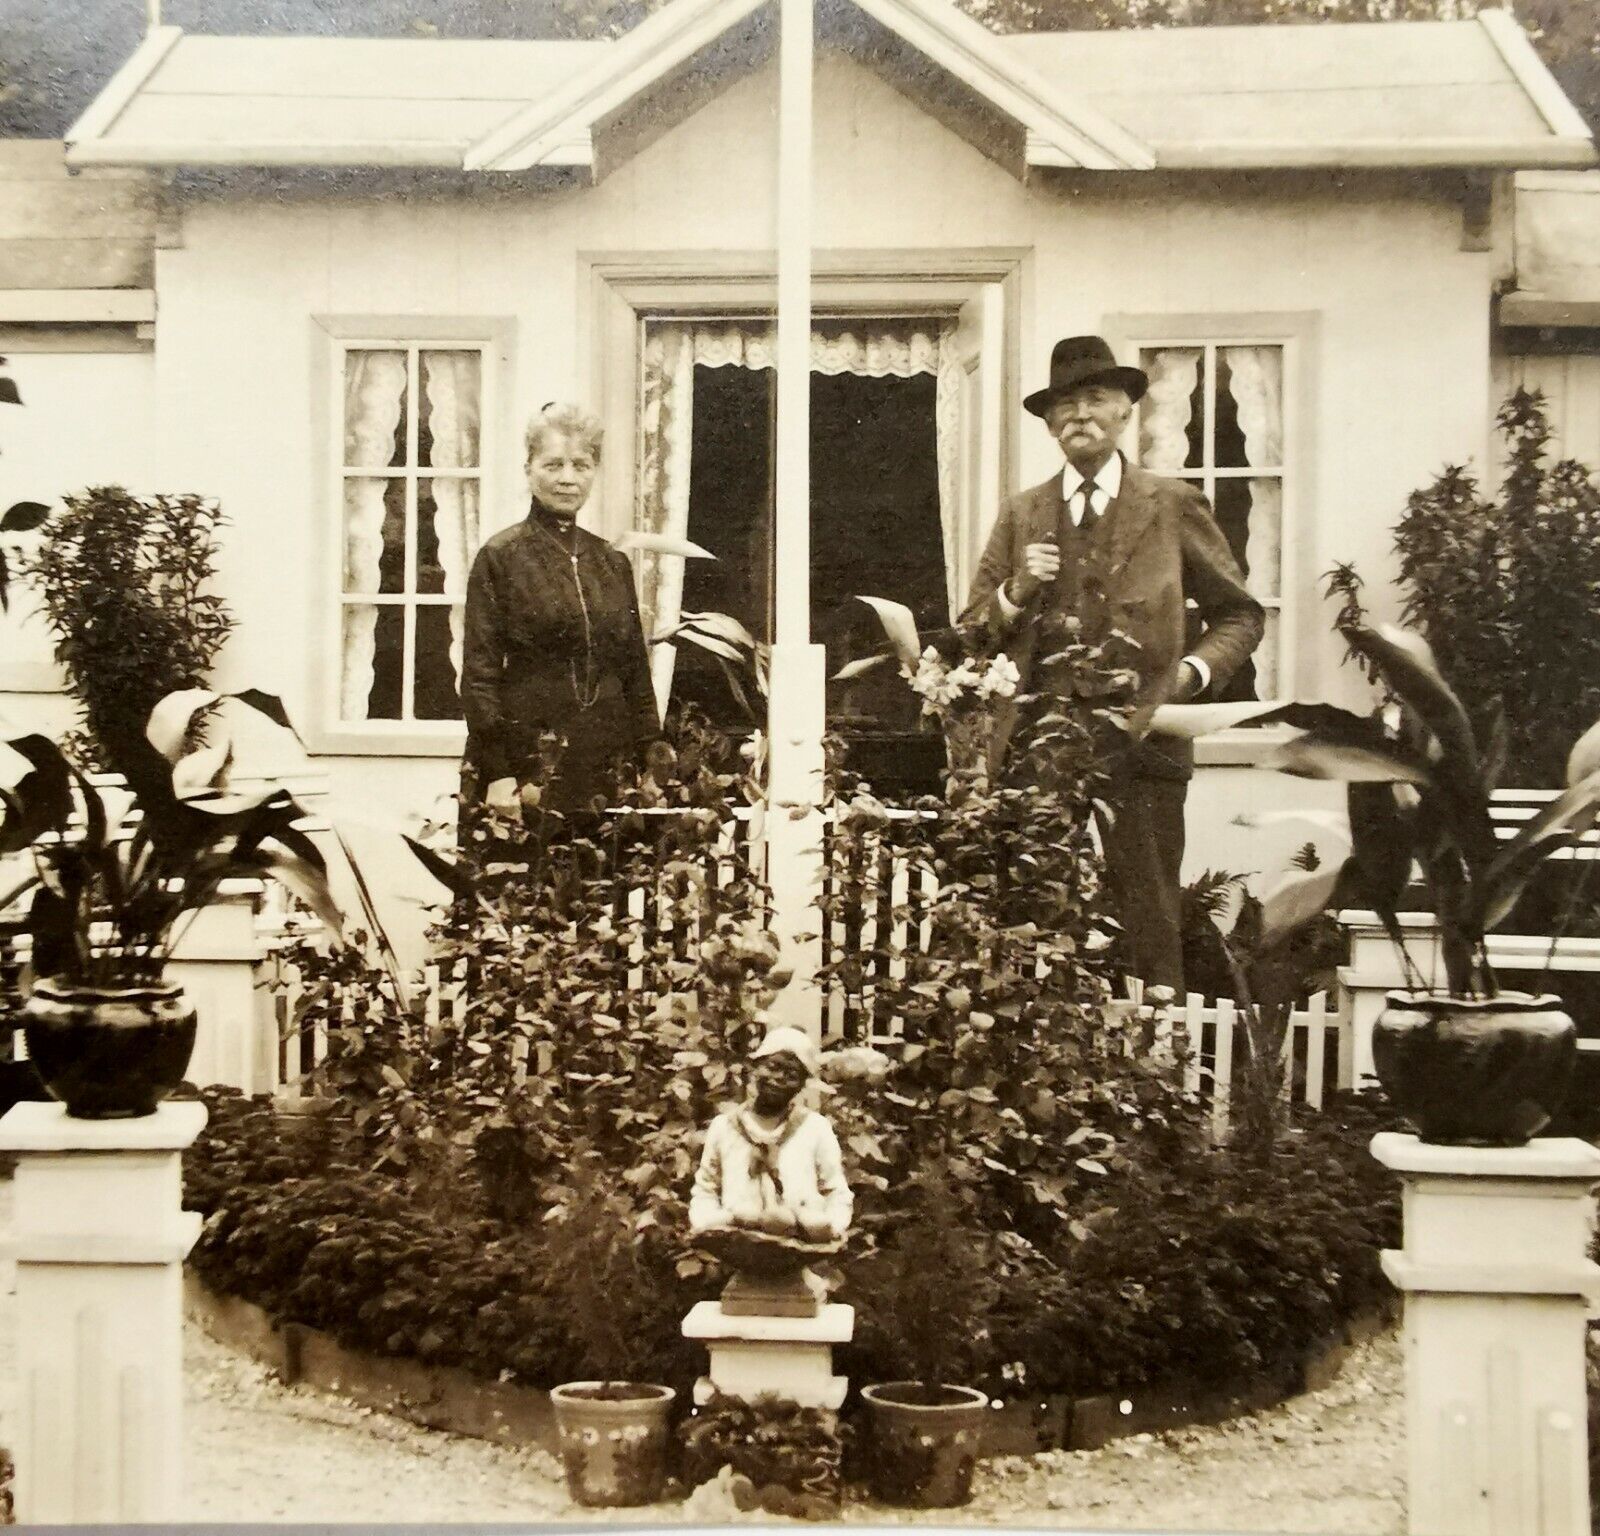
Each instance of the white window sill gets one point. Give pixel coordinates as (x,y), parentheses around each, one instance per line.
(400,740)
(1242,748)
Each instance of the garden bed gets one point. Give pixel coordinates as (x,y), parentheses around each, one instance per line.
(449,1398)
(1208,1272)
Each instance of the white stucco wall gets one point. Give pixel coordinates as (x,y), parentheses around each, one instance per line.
(1399,359)
(87,419)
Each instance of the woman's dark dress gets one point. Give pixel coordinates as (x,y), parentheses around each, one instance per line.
(553,643)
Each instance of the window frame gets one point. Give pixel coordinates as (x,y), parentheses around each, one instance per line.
(335,337)
(1297,334)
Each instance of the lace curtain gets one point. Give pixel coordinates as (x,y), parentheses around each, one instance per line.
(673,350)
(451,396)
(375,437)
(1252,379)
(1256,384)
(374,407)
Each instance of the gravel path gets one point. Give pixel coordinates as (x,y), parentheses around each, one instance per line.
(1327,1463)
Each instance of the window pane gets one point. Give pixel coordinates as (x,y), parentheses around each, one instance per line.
(447,534)
(447,428)
(1266,658)
(1233,517)
(1172,413)
(436,697)
(1250,407)
(1264,540)
(371,661)
(374,409)
(374,535)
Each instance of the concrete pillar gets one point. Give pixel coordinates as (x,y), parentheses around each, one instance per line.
(1497,1282)
(218,960)
(759,1356)
(99,1239)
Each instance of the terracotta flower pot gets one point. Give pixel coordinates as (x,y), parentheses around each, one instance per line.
(614,1439)
(922,1453)
(1476,1072)
(108,1052)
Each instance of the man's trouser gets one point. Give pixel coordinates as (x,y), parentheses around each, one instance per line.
(1144,860)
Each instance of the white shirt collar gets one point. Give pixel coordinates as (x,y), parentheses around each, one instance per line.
(1108,484)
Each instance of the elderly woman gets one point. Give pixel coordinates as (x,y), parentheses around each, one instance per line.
(553,643)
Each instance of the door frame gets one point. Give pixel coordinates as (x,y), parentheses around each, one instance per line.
(618,292)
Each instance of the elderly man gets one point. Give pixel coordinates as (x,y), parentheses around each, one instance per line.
(1107,541)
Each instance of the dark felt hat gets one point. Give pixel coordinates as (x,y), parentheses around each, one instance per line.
(1084,360)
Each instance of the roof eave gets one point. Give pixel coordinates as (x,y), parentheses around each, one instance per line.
(658,44)
(1383,154)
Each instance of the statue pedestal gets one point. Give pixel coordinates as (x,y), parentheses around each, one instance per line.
(1497,1284)
(99,1239)
(758,1356)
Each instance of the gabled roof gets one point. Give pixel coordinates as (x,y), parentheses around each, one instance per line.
(1402,94)
(1068,129)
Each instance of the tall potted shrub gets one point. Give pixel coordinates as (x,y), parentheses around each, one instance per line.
(931,1282)
(1467,1062)
(121,582)
(110,888)
(614,1429)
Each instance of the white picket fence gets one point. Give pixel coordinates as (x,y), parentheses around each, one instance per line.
(1318,1050)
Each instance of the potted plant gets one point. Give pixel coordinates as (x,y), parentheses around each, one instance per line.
(614,1431)
(1467,1062)
(932,1289)
(114,875)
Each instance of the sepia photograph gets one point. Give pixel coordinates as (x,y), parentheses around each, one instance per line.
(772,761)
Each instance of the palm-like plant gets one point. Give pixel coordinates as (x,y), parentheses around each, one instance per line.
(1419,797)
(113,874)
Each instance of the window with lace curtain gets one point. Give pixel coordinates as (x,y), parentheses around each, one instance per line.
(1214,415)
(409,525)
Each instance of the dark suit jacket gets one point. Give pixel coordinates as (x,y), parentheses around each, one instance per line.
(553,642)
(1156,546)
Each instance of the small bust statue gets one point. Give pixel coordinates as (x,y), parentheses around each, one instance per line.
(770,1165)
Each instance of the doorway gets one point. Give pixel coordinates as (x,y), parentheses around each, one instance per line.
(880,514)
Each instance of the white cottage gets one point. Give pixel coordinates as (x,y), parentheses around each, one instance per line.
(377,256)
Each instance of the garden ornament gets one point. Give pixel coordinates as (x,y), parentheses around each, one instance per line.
(770,1194)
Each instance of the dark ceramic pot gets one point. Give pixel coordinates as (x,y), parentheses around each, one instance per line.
(922,1453)
(614,1439)
(108,1053)
(1475,1072)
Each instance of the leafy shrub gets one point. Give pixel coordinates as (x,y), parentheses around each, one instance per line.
(1222,1267)
(1507,591)
(294,1227)
(776,1444)
(929,1286)
(121,582)
(1019,1080)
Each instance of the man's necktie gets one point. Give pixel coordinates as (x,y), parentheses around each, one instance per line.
(1086,491)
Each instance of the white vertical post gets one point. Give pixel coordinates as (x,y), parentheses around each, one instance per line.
(1497,1282)
(796,707)
(99,1238)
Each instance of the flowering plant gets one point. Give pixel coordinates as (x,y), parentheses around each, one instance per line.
(945,689)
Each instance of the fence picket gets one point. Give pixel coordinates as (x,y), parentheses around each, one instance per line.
(1194,1010)
(1316,1047)
(1222,1070)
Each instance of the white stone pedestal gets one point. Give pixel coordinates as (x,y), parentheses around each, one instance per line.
(788,1357)
(99,1239)
(1496,1280)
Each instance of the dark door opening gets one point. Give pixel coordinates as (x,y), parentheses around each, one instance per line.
(875,529)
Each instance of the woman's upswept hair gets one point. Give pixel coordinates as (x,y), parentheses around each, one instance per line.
(560,419)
